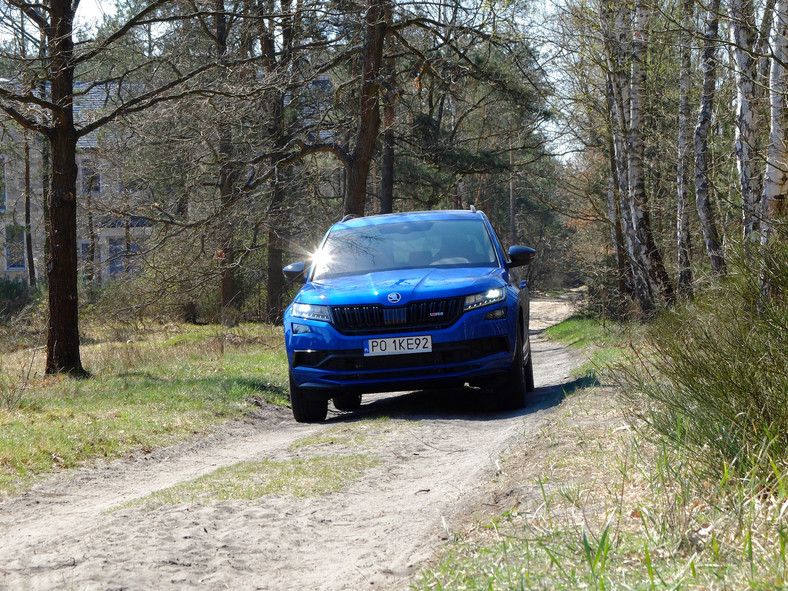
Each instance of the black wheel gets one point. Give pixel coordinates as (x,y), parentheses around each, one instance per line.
(307,406)
(512,394)
(529,369)
(347,401)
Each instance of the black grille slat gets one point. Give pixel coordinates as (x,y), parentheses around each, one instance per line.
(415,316)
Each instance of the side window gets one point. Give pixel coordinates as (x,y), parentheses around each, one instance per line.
(91,181)
(14,247)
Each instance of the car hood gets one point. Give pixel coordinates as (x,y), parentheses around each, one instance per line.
(410,284)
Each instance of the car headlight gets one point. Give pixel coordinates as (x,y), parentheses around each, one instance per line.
(485,298)
(312,312)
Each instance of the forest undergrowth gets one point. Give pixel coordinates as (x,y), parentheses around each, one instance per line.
(670,472)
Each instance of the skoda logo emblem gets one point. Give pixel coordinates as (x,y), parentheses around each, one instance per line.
(394,297)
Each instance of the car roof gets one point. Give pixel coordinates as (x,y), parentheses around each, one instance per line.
(411,216)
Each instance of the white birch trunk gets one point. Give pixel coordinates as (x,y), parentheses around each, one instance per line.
(742,36)
(649,256)
(775,186)
(615,24)
(708,225)
(684,281)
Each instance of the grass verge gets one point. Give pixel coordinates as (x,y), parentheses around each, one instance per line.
(594,502)
(147,391)
(602,342)
(594,506)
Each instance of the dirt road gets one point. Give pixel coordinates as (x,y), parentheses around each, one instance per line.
(76,531)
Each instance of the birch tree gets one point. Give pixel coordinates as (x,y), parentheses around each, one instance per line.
(741,15)
(626,40)
(650,256)
(711,235)
(775,188)
(684,276)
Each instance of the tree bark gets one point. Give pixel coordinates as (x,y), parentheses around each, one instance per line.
(360,158)
(742,36)
(275,302)
(775,187)
(276,60)
(614,18)
(684,276)
(63,355)
(614,221)
(31,266)
(649,255)
(708,225)
(226,182)
(389,102)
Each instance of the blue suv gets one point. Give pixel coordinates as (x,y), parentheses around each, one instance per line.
(407,301)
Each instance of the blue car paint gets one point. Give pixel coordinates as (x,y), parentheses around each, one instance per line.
(429,283)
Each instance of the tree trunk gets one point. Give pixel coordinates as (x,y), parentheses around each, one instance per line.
(63,329)
(614,220)
(742,35)
(711,236)
(276,284)
(276,59)
(614,18)
(359,160)
(389,100)
(512,219)
(226,182)
(31,267)
(684,278)
(775,186)
(649,255)
(90,266)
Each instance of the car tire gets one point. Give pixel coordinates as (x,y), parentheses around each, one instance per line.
(529,370)
(307,407)
(513,393)
(347,401)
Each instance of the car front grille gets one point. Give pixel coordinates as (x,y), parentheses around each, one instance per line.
(429,314)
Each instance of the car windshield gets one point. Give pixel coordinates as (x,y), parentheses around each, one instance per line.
(404,245)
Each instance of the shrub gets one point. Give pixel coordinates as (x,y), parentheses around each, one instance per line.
(14,295)
(713,375)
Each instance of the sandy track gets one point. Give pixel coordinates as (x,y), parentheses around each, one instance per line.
(69,533)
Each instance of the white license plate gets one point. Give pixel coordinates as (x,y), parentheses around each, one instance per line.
(398,345)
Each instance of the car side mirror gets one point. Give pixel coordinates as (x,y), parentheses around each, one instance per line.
(294,271)
(520,256)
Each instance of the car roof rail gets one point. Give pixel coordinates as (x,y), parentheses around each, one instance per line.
(349,216)
(473,208)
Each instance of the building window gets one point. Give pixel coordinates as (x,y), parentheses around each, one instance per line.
(121,259)
(14,248)
(91,180)
(2,185)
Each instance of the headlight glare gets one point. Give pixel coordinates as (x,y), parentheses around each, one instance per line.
(484,298)
(312,312)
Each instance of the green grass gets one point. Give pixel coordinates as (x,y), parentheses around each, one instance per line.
(599,507)
(602,342)
(142,395)
(605,502)
(251,480)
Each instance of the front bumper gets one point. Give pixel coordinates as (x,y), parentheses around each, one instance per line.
(473,348)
